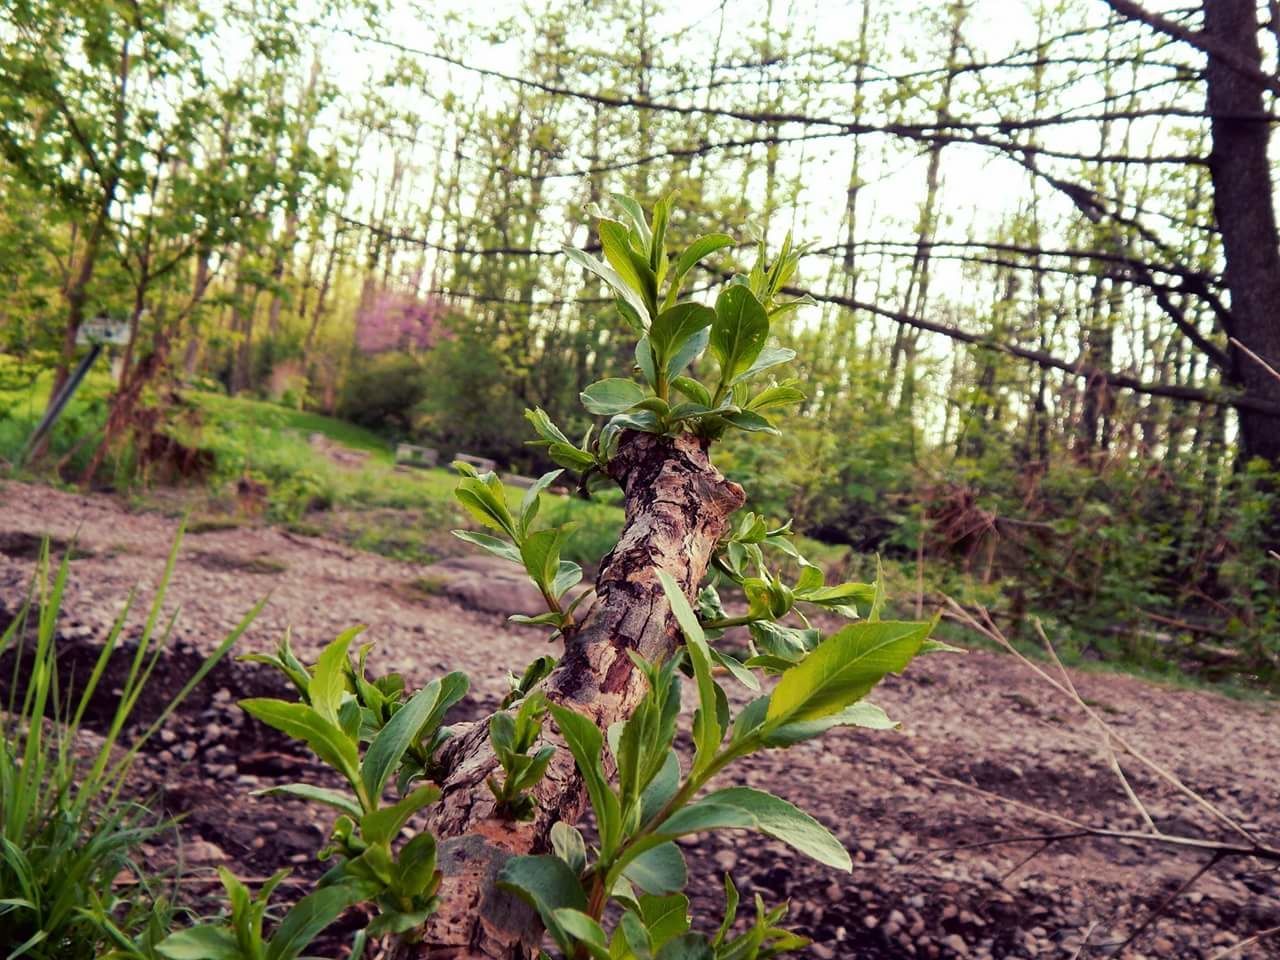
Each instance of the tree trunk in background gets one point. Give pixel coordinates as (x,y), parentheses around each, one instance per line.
(677,507)
(1243,202)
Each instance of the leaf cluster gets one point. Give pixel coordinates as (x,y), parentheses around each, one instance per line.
(375,735)
(538,551)
(512,737)
(650,802)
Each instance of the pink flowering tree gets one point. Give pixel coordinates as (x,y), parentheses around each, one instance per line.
(394,319)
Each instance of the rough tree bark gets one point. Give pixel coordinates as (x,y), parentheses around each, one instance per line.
(677,507)
(1244,207)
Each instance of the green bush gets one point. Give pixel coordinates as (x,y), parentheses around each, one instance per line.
(472,402)
(382,391)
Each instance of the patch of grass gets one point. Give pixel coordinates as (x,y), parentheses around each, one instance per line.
(428,586)
(260,563)
(213,524)
(68,831)
(24,394)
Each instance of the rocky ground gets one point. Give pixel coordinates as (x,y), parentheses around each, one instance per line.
(984,744)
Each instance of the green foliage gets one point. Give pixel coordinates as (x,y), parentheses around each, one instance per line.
(66,830)
(374,734)
(241,936)
(485,498)
(675,335)
(383,392)
(651,803)
(471,401)
(512,738)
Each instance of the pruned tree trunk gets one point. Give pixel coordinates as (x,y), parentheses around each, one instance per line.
(677,507)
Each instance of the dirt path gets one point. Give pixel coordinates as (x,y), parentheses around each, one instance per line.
(980,719)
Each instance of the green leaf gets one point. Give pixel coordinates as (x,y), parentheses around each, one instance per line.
(731,898)
(529,505)
(769,357)
(688,352)
(329,681)
(786,822)
(544,426)
(658,241)
(862,714)
(707,731)
(488,507)
(541,555)
(207,942)
(780,395)
(673,328)
(877,597)
(631,266)
(567,842)
(705,815)
(548,619)
(634,933)
(693,390)
(568,575)
(388,747)
(635,214)
(844,668)
(547,884)
(696,251)
(645,361)
(739,332)
(840,595)
(661,788)
(688,946)
(659,870)
(585,743)
(735,667)
(749,421)
(584,930)
(304,791)
(499,548)
(309,916)
(302,723)
(666,917)
(644,421)
(415,867)
(384,824)
(612,396)
(639,314)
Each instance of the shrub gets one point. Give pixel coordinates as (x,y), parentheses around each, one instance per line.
(621,899)
(382,391)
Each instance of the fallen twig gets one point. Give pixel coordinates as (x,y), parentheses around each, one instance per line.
(1234,951)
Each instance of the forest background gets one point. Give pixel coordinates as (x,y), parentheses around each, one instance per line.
(1041,255)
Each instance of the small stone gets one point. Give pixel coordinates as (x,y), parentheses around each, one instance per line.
(1163,946)
(202,852)
(822,950)
(956,944)
(726,860)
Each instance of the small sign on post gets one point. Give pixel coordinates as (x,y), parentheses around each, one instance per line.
(103,330)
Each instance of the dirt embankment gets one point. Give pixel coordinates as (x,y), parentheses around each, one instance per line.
(925,883)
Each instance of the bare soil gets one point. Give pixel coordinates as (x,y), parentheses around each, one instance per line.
(927,881)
